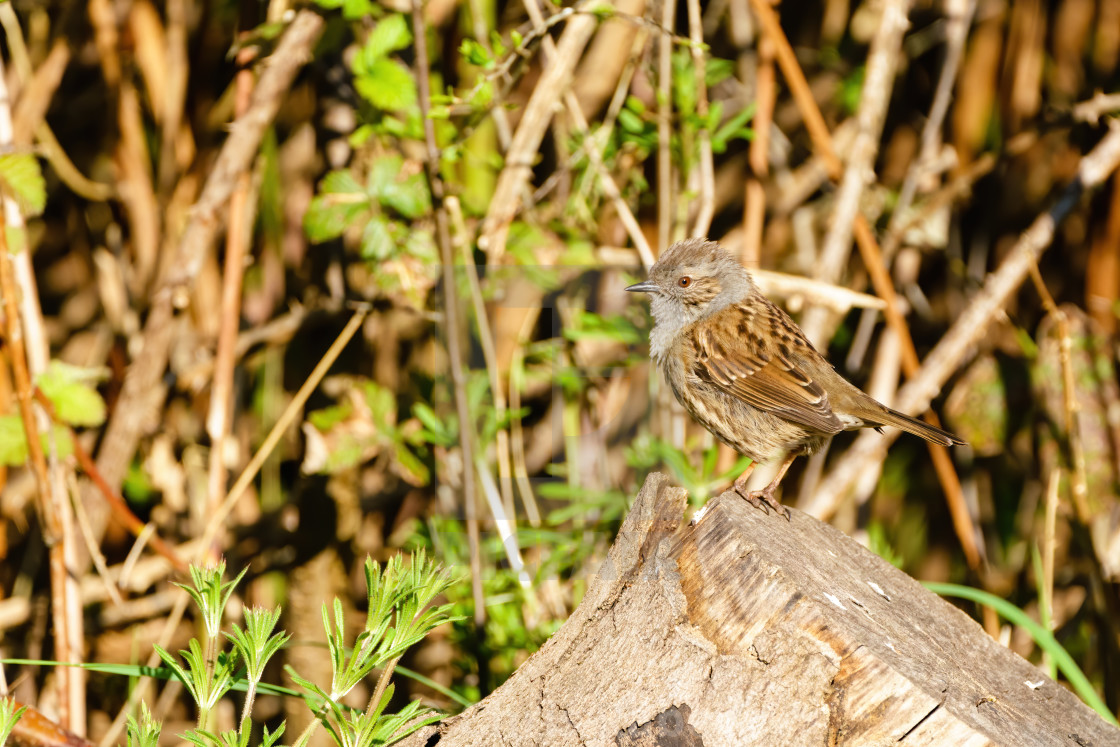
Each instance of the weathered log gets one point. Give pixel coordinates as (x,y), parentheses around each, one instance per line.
(748,630)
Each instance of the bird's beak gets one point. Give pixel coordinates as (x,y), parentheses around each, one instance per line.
(646,287)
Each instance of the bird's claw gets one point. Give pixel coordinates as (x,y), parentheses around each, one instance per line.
(765,500)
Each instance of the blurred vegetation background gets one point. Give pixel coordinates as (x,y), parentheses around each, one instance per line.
(475,198)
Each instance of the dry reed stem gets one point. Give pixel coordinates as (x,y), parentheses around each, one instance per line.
(91,542)
(142,385)
(592,147)
(754,208)
(48,511)
(530,132)
(706,209)
(523,136)
(865,239)
(30,354)
(972,325)
(881,68)
(486,342)
(959,19)
(238,235)
(665,232)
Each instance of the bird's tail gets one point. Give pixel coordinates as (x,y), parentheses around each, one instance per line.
(918,428)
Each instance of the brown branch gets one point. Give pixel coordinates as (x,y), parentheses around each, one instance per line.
(971,325)
(865,239)
(117,504)
(706,205)
(530,132)
(525,133)
(238,232)
(142,385)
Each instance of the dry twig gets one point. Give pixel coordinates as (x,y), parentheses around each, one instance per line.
(972,325)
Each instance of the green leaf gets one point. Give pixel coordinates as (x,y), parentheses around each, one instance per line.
(13,442)
(388,36)
(409,462)
(630,122)
(476,54)
(382,404)
(329,215)
(736,127)
(17,238)
(387,84)
(341,182)
(377,241)
(328,417)
(409,197)
(383,172)
(23,179)
(69,389)
(352,10)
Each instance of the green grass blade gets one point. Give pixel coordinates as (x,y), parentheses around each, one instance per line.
(1042,637)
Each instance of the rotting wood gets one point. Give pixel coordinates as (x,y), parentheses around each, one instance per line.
(748,630)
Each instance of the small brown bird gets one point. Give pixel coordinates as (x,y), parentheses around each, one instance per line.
(745,371)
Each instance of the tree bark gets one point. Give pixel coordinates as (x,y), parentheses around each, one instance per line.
(748,630)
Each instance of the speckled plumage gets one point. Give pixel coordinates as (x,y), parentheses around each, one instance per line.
(745,371)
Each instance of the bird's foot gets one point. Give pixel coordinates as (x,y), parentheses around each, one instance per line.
(765,500)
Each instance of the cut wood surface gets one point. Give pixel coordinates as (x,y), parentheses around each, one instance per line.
(746,629)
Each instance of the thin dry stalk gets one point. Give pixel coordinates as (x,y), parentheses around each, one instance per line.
(30,354)
(1049,543)
(486,342)
(706,209)
(664,125)
(91,543)
(117,504)
(238,232)
(122,434)
(1079,483)
(959,19)
(754,208)
(530,132)
(55,537)
(174,91)
(451,300)
(882,64)
(972,325)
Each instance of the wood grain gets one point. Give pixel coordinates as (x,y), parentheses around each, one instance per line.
(748,630)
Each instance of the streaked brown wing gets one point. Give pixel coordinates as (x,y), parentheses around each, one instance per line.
(764,376)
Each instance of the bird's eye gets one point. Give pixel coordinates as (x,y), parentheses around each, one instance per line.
(685,281)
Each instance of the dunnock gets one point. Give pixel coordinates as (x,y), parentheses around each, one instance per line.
(744,370)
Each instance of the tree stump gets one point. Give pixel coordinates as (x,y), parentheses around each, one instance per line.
(746,629)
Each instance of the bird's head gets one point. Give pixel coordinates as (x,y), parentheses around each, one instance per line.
(693,279)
